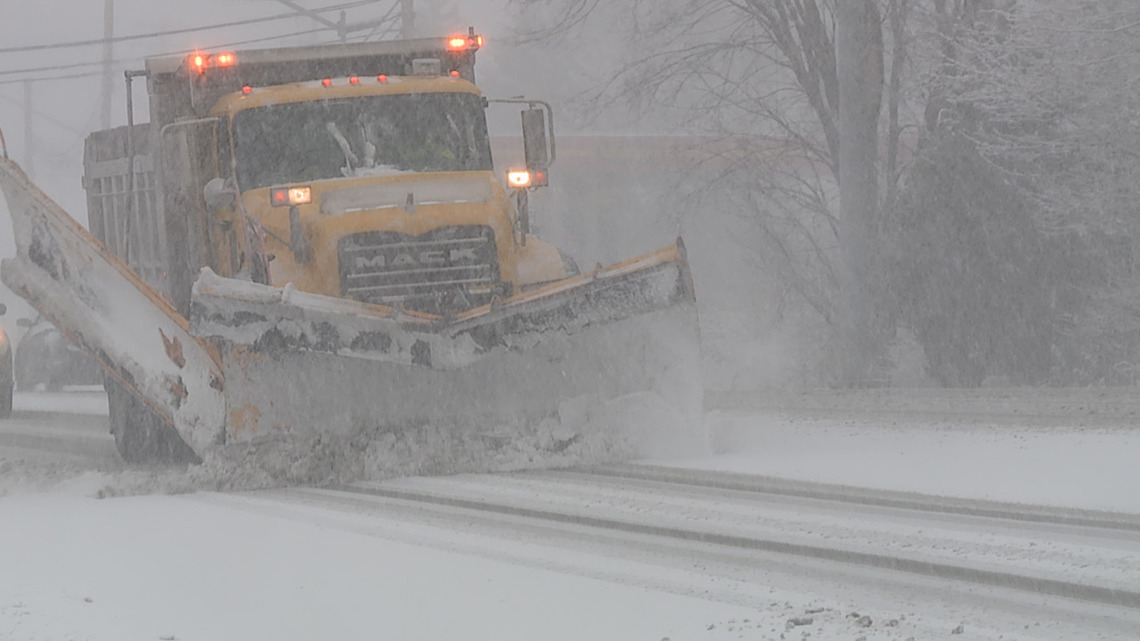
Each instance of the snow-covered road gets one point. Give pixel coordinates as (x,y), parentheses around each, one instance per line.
(296,564)
(1032,547)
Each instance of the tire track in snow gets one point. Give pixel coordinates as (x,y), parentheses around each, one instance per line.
(1087,519)
(1010,580)
(32,433)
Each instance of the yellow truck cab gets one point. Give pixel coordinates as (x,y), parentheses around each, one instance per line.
(352,171)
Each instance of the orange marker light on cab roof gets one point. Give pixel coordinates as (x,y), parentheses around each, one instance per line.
(462,42)
(354,80)
(382,78)
(247,90)
(454,73)
(199,62)
(327,82)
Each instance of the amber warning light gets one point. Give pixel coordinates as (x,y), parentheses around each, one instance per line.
(281,196)
(461,42)
(200,62)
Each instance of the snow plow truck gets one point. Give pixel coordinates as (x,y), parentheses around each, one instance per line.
(308,254)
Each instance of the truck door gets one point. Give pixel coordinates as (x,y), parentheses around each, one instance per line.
(190,158)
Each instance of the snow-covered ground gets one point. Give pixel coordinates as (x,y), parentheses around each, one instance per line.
(89,400)
(1066,465)
(206,566)
(161,567)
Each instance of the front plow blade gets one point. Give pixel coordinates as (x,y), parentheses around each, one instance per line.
(273,319)
(596,367)
(138,337)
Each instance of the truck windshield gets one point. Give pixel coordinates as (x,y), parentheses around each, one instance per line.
(304,141)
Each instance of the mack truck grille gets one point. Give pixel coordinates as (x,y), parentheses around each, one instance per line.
(443,270)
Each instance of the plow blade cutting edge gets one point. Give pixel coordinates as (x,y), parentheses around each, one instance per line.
(588,367)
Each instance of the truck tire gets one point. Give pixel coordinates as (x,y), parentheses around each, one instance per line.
(141,436)
(5,402)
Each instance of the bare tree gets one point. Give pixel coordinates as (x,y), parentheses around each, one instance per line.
(766,82)
(1005,128)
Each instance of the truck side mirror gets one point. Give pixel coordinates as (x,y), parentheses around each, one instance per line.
(217,195)
(534,140)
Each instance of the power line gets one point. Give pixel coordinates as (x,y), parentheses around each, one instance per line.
(73,65)
(157,34)
(88,74)
(80,65)
(42,116)
(123,61)
(384,21)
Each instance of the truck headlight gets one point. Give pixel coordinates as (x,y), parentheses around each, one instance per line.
(518,178)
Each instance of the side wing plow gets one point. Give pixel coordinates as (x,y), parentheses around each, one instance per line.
(138,337)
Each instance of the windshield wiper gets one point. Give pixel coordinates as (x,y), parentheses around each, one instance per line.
(350,158)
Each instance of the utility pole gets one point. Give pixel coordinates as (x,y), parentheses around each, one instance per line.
(29,133)
(407,19)
(859,65)
(108,56)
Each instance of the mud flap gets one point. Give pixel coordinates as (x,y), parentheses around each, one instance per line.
(107,309)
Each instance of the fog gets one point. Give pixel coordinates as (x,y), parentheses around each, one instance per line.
(671,124)
(997,249)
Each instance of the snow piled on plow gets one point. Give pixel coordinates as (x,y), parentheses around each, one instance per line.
(584,430)
(544,407)
(424,450)
(662,418)
(630,428)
